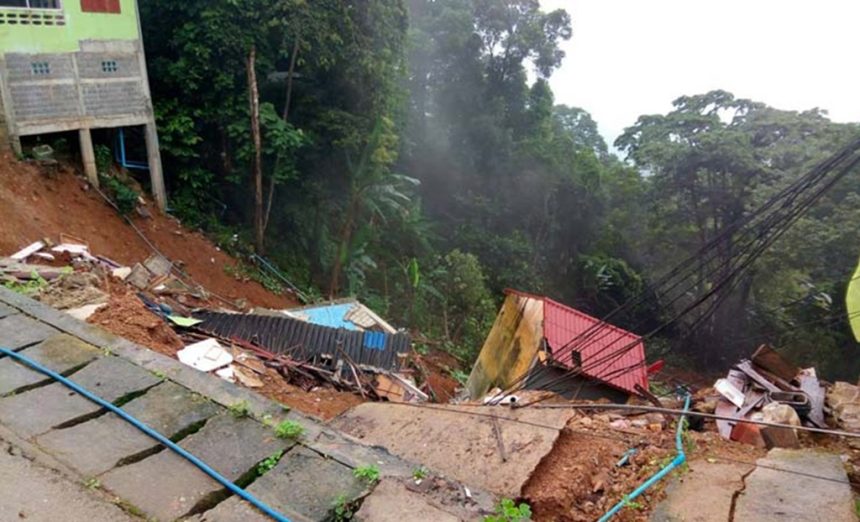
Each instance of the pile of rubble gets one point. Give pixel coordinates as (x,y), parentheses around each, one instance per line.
(769,389)
(339,345)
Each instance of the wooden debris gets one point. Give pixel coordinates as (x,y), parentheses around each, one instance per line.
(768,359)
(28,251)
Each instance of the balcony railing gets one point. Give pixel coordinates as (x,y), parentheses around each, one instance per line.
(31,12)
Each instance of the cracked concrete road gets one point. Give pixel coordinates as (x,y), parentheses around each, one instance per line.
(33,492)
(684,499)
(796,485)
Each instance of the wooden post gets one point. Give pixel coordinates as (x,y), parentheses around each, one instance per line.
(89,156)
(156,176)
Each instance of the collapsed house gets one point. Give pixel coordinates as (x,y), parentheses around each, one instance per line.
(335,349)
(536,343)
(349,314)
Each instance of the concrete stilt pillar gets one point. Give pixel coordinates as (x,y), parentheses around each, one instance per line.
(89,156)
(15,143)
(154,159)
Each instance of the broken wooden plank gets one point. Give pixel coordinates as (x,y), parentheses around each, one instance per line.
(761,380)
(653,399)
(769,359)
(28,251)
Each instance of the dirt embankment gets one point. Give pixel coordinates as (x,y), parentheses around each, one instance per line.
(35,204)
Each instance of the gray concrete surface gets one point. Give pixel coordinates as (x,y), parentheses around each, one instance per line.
(60,353)
(35,493)
(816,490)
(704,494)
(87,443)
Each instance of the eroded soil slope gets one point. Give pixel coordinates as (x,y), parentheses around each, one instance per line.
(35,204)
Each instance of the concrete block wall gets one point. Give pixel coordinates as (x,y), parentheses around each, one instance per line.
(19,67)
(85,89)
(90,65)
(44,102)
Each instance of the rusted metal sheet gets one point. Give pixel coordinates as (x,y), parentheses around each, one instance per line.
(810,385)
(611,354)
(511,346)
(768,359)
(318,345)
(746,367)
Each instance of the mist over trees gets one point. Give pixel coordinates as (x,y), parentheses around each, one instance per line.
(412,154)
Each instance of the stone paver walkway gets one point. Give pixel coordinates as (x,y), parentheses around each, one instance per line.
(35,493)
(304,478)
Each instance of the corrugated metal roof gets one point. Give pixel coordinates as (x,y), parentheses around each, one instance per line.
(563,324)
(308,342)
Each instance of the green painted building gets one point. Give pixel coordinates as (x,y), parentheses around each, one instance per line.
(75,65)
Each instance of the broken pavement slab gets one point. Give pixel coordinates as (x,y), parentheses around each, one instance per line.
(685,502)
(391,501)
(304,486)
(18,331)
(110,378)
(96,446)
(426,435)
(60,353)
(771,494)
(166,486)
(33,492)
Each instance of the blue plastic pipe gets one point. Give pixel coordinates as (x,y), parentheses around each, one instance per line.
(121,159)
(259,504)
(679,459)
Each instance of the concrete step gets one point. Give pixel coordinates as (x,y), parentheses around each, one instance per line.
(96,446)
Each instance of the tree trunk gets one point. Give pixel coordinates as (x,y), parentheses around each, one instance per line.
(343,247)
(254,102)
(285,117)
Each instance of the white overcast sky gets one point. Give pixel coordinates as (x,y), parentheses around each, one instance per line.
(633,57)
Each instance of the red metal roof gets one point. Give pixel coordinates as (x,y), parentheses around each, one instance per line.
(563,324)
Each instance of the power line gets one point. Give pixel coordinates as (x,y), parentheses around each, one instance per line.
(617,438)
(763,235)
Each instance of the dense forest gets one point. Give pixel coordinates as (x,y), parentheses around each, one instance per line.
(410,153)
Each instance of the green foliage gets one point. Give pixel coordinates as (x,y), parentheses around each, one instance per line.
(289,429)
(122,194)
(92,483)
(104,159)
(343,509)
(460,376)
(243,271)
(240,409)
(423,166)
(508,511)
(29,287)
(632,504)
(369,474)
(269,462)
(420,473)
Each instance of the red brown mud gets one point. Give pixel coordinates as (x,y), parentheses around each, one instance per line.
(34,205)
(127,316)
(322,402)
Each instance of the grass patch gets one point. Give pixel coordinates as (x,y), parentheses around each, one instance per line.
(288,429)
(369,474)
